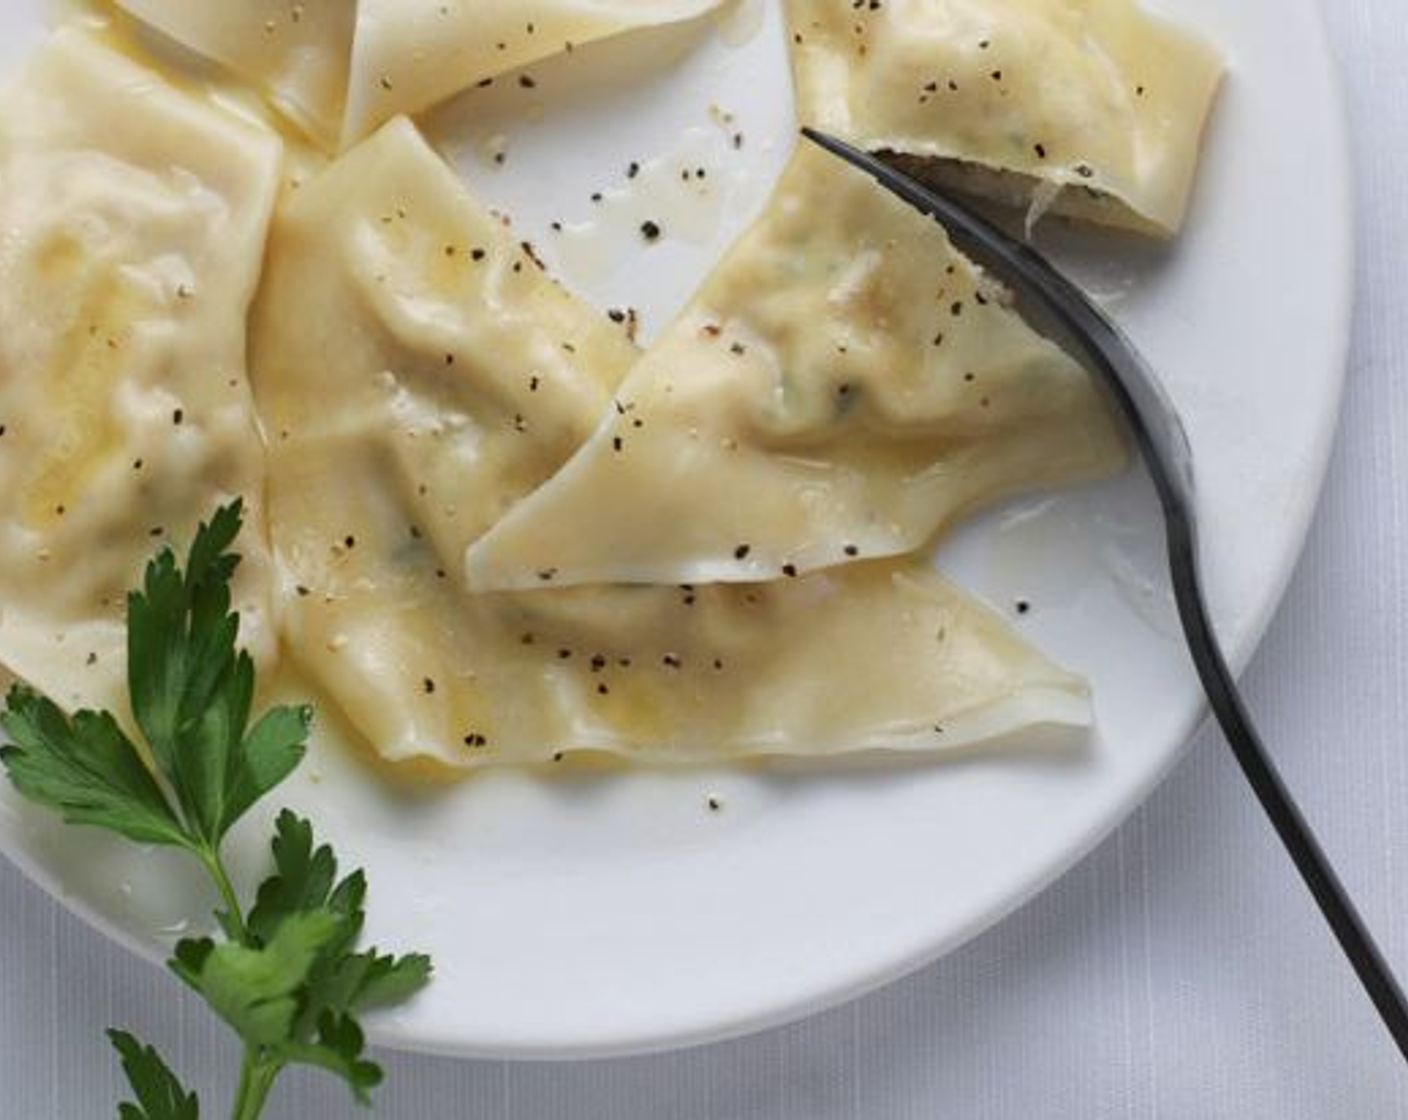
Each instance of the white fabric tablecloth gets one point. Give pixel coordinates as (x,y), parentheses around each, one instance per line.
(1181,971)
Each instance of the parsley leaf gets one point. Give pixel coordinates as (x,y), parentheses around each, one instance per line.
(289,979)
(191,693)
(86,769)
(174,668)
(343,981)
(191,689)
(340,981)
(302,880)
(338,1049)
(257,989)
(387,980)
(291,990)
(270,753)
(160,1096)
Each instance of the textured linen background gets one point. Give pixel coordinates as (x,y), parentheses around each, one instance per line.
(1180,972)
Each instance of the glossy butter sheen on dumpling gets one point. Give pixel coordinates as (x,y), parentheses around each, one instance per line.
(418,373)
(397,308)
(134,218)
(340,68)
(411,54)
(296,52)
(844,385)
(1093,108)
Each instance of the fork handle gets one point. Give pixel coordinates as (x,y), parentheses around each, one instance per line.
(1137,395)
(1276,799)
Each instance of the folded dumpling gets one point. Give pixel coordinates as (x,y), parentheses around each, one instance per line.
(340,68)
(134,218)
(295,52)
(398,309)
(1093,108)
(844,385)
(411,54)
(418,374)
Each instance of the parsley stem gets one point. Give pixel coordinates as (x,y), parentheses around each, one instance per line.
(257,1077)
(211,859)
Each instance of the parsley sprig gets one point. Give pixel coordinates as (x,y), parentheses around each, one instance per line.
(287,976)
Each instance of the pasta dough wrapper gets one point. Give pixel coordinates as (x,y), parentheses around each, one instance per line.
(419,374)
(1092,108)
(134,217)
(844,386)
(411,54)
(340,68)
(296,52)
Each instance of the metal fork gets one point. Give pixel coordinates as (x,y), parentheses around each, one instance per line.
(1082,328)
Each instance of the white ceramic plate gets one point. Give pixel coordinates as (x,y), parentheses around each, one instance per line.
(608,913)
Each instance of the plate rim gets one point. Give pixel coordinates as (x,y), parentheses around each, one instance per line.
(1339,204)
